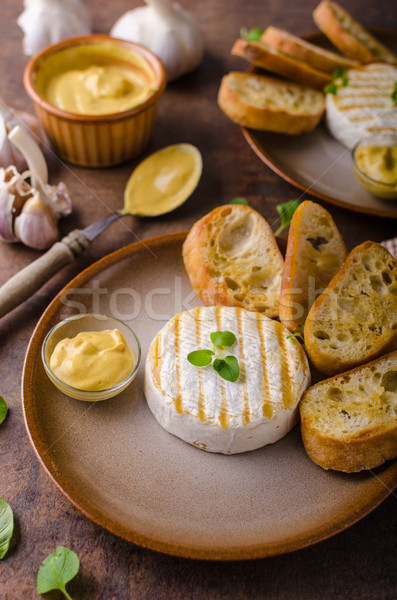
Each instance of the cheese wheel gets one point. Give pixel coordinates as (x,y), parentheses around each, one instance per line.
(364,106)
(197,405)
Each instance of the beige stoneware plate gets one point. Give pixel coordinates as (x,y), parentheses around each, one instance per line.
(317,163)
(122,470)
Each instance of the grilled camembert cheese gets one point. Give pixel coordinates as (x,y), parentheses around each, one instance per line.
(364,106)
(198,406)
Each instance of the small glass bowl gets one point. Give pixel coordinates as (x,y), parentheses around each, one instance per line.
(70,327)
(374,186)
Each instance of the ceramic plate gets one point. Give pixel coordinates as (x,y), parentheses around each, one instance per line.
(114,462)
(316,163)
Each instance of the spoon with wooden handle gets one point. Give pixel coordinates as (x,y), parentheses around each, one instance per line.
(27,281)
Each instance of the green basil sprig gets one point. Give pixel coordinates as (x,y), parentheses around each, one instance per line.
(239,200)
(393,95)
(56,570)
(6,526)
(227,367)
(3,409)
(252,35)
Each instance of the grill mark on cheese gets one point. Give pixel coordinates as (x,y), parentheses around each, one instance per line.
(224,416)
(246,413)
(267,408)
(178,398)
(285,366)
(157,362)
(201,398)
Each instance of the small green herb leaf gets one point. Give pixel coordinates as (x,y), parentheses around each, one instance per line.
(200,358)
(331,88)
(394,93)
(252,35)
(223,338)
(341,72)
(302,327)
(6,526)
(286,212)
(3,409)
(56,570)
(295,335)
(239,201)
(227,367)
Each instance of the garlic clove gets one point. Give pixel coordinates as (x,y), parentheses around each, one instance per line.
(36,226)
(14,191)
(58,199)
(6,217)
(9,154)
(33,155)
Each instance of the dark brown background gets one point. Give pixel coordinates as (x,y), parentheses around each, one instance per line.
(358,563)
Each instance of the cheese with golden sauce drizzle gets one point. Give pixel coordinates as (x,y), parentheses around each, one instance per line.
(201,408)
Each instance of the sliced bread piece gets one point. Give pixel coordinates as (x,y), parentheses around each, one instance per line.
(349,36)
(232,259)
(315,56)
(315,253)
(267,103)
(349,422)
(355,319)
(271,59)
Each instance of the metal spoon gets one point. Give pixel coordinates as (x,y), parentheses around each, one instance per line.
(27,281)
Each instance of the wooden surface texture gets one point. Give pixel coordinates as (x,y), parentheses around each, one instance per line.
(357,564)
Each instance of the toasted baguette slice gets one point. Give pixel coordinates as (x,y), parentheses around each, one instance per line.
(232,259)
(269,104)
(315,56)
(355,319)
(349,36)
(349,422)
(271,59)
(315,253)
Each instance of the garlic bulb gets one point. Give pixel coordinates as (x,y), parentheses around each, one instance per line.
(9,154)
(46,22)
(168,31)
(29,213)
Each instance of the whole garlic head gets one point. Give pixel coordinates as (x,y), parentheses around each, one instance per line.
(168,31)
(46,22)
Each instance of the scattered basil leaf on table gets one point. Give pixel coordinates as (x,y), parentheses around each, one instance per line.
(56,570)
(286,212)
(227,367)
(239,201)
(200,358)
(223,338)
(3,409)
(6,526)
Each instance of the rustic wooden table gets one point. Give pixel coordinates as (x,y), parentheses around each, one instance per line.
(357,563)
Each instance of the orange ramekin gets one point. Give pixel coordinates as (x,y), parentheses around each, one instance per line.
(96,140)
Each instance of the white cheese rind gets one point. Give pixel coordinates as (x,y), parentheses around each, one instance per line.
(364,107)
(198,406)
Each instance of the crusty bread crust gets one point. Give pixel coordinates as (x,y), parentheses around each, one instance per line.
(271,59)
(349,422)
(315,56)
(315,253)
(355,319)
(349,36)
(232,259)
(238,94)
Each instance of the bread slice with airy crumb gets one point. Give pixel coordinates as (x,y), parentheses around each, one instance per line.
(355,319)
(232,259)
(315,253)
(316,56)
(274,60)
(270,104)
(349,422)
(349,36)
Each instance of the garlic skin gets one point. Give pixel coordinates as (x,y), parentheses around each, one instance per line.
(9,154)
(168,31)
(29,211)
(46,22)
(36,226)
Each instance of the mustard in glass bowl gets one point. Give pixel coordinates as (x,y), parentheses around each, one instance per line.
(374,163)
